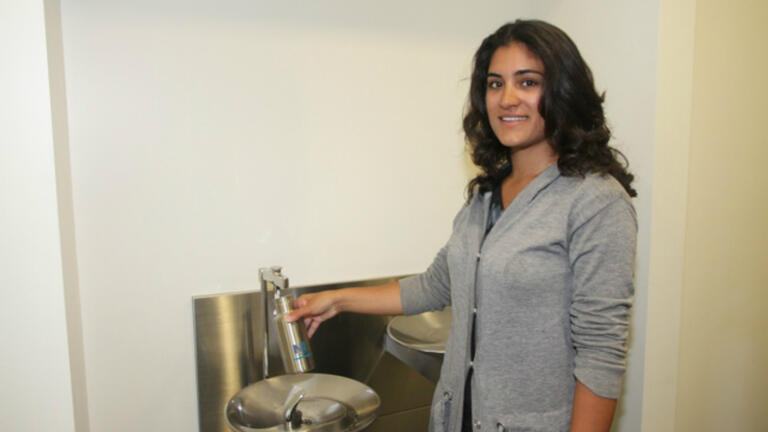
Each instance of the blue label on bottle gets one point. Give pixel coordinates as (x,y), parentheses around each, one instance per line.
(301,352)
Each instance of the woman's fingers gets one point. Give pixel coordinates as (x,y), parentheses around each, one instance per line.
(314,309)
(295,314)
(302,307)
(301,301)
(317,307)
(329,313)
(312,328)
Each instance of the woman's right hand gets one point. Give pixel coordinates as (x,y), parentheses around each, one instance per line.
(320,306)
(314,308)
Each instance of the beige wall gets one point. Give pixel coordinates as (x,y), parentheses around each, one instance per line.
(706,353)
(669,211)
(723,363)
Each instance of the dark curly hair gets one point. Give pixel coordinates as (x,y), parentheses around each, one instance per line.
(571,107)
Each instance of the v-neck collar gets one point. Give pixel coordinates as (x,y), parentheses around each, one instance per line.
(521,201)
(533,188)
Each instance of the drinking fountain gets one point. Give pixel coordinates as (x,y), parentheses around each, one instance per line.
(299,400)
(419,340)
(426,332)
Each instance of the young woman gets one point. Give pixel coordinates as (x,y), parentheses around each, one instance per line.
(539,267)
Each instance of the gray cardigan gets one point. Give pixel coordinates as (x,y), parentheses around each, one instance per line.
(552,283)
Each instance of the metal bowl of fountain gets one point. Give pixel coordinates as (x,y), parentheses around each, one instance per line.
(426,332)
(303,403)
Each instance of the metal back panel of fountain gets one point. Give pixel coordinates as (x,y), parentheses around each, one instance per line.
(229,348)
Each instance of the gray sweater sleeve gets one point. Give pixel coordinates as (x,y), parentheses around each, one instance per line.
(427,291)
(602,256)
(431,290)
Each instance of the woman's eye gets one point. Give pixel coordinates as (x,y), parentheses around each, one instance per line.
(494,84)
(529,83)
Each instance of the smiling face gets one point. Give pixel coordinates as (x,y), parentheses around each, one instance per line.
(512,96)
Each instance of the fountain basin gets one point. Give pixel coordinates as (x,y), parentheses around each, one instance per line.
(323,403)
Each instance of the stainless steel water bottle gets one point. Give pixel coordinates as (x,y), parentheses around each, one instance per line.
(294,343)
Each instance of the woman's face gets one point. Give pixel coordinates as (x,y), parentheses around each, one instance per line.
(512,96)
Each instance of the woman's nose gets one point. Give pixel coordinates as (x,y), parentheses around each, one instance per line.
(509,97)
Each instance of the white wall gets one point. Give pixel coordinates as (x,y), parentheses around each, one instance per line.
(35,380)
(209,140)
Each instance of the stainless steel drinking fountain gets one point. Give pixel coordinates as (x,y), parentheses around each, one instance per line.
(419,340)
(299,400)
(235,372)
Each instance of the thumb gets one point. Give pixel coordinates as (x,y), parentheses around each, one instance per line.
(293,315)
(297,313)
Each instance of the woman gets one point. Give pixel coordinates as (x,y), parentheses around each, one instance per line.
(539,267)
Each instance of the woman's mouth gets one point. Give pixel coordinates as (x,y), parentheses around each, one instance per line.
(513,118)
